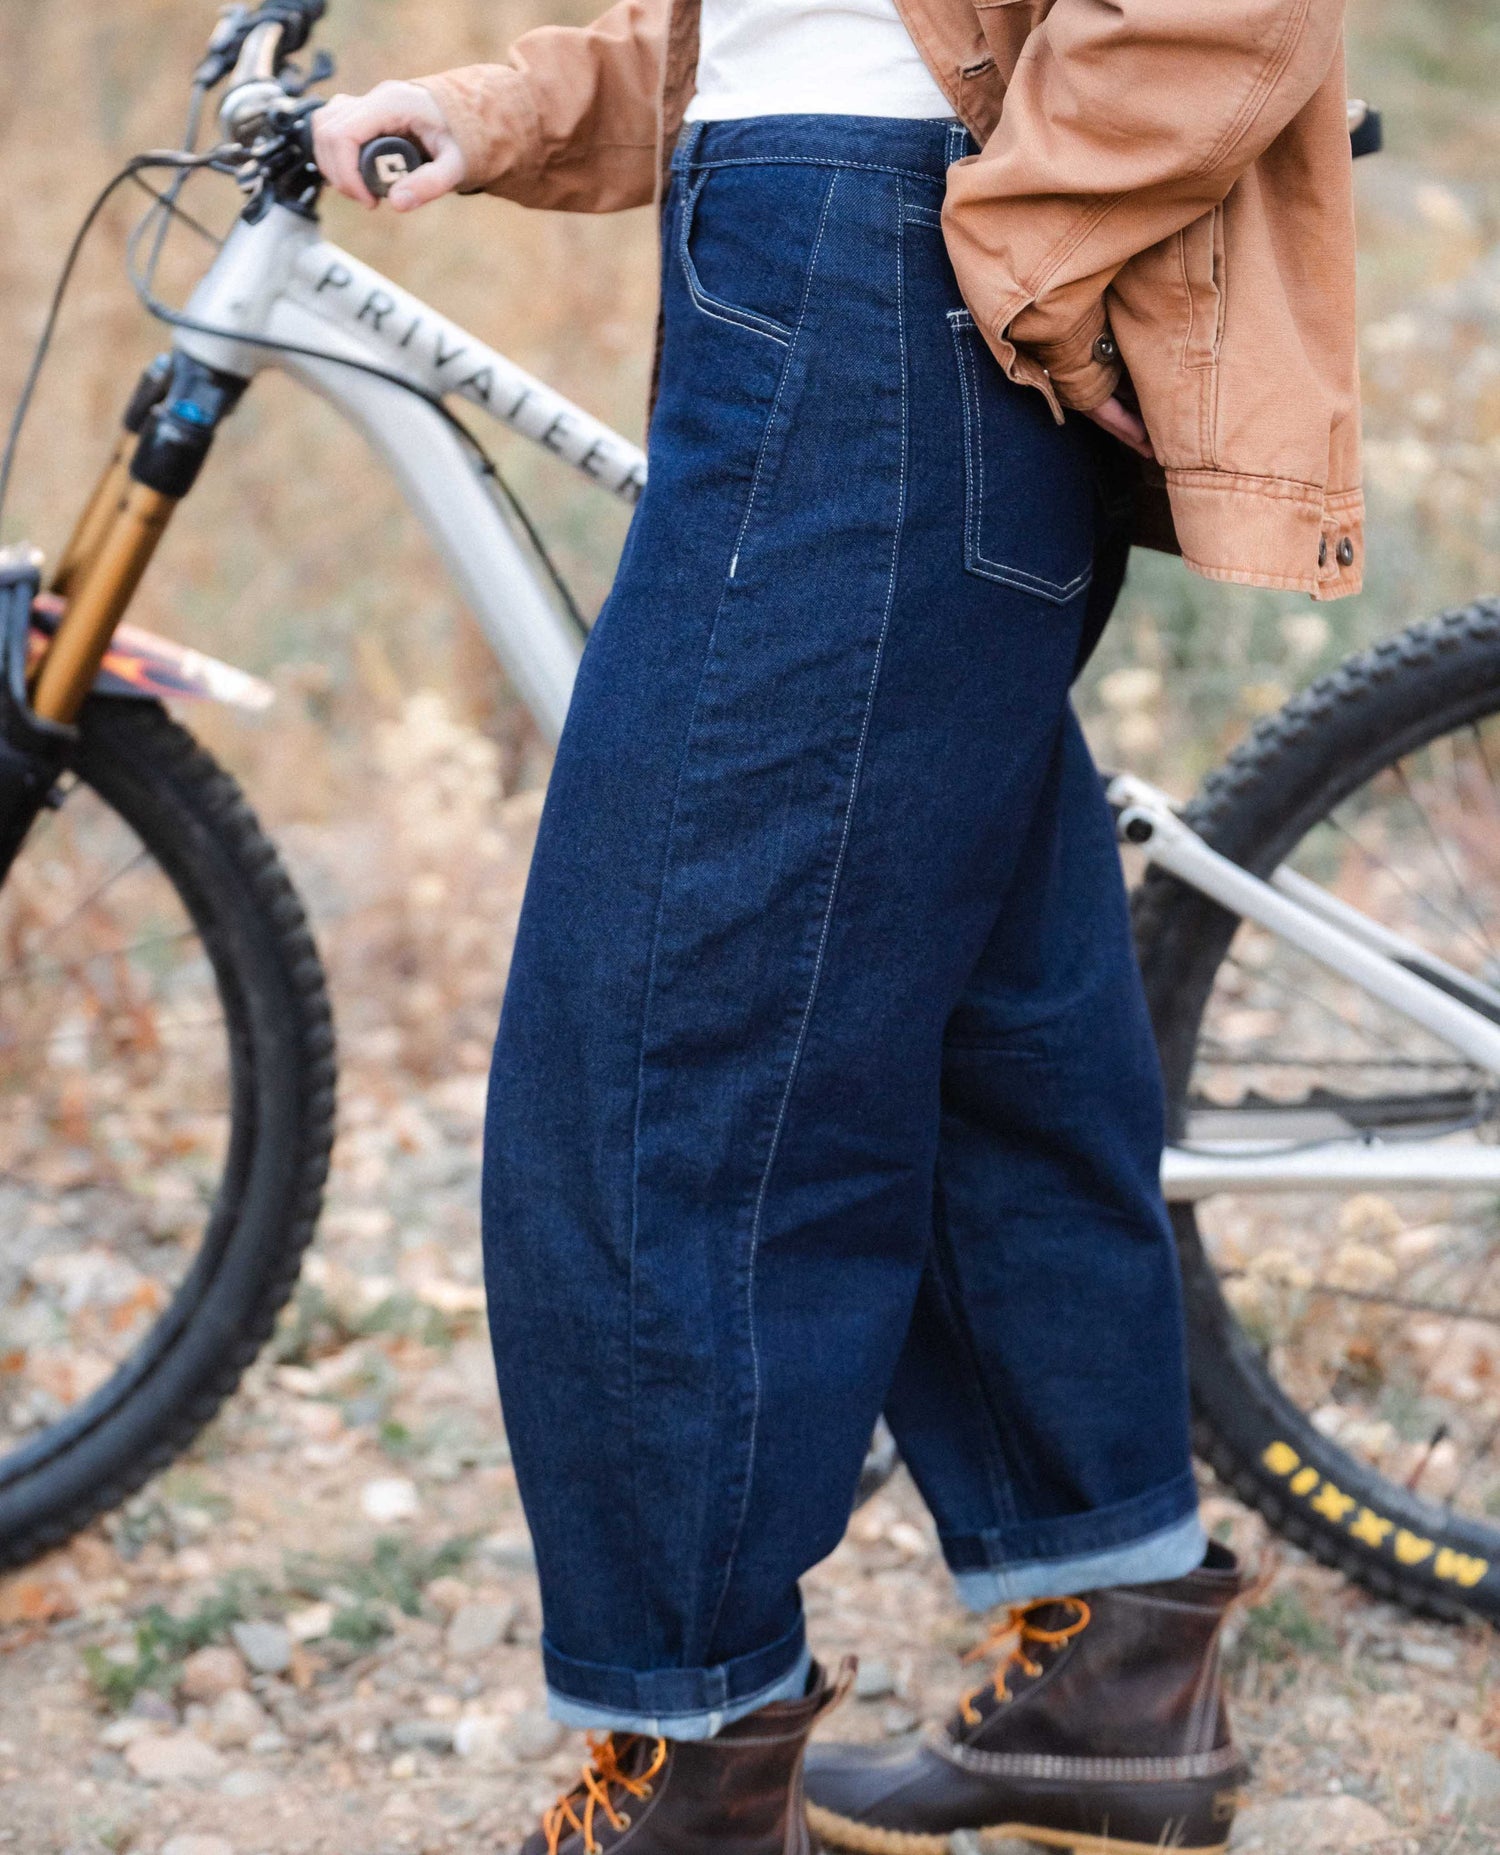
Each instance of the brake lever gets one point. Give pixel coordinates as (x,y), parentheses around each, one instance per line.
(223,47)
(296,82)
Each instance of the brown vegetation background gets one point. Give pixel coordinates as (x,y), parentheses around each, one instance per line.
(296,559)
(356,1493)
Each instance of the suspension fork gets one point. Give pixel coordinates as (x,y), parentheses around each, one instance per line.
(169,428)
(92,524)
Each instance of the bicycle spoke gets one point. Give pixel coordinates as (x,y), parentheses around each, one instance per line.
(1461,889)
(1489,770)
(1278,981)
(1335,823)
(101,1029)
(1481,1453)
(1369,1297)
(55,928)
(61,969)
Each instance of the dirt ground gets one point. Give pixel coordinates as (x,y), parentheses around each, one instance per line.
(318,1633)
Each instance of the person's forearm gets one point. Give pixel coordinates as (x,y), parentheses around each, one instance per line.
(570,121)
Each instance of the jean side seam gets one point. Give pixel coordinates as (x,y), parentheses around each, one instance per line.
(995,1455)
(658,922)
(833,891)
(755,1387)
(666,865)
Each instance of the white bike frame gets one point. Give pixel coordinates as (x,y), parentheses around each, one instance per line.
(276,281)
(285,298)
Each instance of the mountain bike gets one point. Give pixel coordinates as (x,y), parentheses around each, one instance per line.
(1315,930)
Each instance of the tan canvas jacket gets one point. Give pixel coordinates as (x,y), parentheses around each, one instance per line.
(1163,183)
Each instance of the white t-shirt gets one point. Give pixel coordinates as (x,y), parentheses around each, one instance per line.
(810,58)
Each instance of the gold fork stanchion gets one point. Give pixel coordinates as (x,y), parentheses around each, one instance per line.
(93,523)
(101,587)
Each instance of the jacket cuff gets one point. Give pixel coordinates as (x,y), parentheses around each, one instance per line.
(1079,372)
(491,115)
(1085,367)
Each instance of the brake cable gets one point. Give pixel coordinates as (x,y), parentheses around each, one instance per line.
(183,163)
(483,461)
(138,164)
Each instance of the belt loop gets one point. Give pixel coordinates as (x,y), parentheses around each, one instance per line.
(687,144)
(958,137)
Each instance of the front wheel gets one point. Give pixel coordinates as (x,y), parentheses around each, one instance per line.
(166,1115)
(1345,1346)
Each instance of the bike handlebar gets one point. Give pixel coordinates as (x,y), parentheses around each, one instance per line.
(390,158)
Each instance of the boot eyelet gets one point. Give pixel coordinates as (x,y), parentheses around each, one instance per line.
(648,1790)
(624,1822)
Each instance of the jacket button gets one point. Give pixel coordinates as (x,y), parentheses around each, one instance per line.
(1105,350)
(1346,552)
(1323,552)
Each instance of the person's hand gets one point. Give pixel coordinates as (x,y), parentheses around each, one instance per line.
(344,124)
(1123,422)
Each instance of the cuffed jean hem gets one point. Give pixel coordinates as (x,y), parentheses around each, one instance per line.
(1146,1557)
(675,1703)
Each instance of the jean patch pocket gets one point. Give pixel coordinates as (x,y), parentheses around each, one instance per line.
(746,239)
(1030,488)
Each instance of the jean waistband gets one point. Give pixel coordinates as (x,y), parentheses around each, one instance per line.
(893,144)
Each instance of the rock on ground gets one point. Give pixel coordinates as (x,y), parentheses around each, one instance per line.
(211,1672)
(267,1647)
(1303,1825)
(535,1736)
(176,1758)
(475,1629)
(1462,1781)
(237,1718)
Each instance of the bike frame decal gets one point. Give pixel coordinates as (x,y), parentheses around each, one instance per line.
(1369,1528)
(278,296)
(140,663)
(440,357)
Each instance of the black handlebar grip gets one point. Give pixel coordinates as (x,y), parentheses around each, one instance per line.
(390,158)
(1367,136)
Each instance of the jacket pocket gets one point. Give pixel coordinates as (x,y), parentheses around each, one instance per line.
(1201,251)
(1030,498)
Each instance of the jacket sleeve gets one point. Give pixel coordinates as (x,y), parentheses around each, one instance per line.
(570,121)
(1125,121)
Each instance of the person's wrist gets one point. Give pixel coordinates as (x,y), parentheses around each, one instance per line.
(488,112)
(1085,366)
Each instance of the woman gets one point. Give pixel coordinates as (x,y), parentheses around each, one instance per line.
(824,1085)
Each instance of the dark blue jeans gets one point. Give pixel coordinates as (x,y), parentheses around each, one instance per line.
(824,1085)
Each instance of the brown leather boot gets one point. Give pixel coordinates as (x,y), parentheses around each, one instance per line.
(1103,1728)
(737,1794)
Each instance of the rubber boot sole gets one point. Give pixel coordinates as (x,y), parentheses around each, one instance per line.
(846,1832)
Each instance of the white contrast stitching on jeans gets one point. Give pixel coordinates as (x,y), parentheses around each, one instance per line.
(838,867)
(715,306)
(1058,592)
(656,934)
(786,368)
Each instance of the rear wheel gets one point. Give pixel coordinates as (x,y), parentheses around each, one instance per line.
(1345,1346)
(166,1114)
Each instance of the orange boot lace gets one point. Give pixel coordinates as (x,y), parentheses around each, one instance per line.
(601,1775)
(1014,1636)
